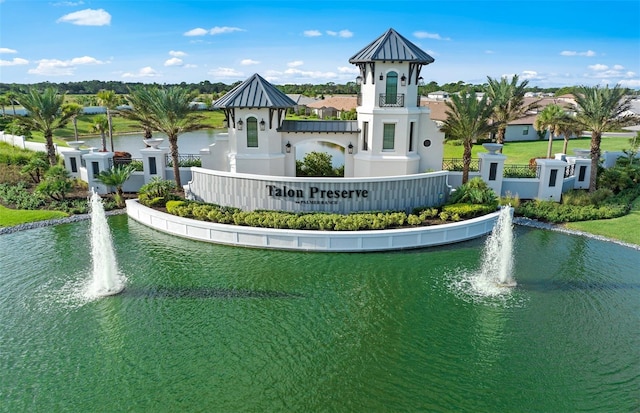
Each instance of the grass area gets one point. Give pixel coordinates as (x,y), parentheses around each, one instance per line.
(520,153)
(10,217)
(211,120)
(617,228)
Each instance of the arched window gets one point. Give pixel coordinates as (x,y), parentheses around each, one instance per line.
(392,88)
(252,132)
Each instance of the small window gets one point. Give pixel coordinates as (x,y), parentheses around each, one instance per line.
(581,174)
(493,171)
(525,130)
(252,132)
(365,136)
(74,164)
(389,137)
(411,136)
(95,169)
(553,176)
(153,169)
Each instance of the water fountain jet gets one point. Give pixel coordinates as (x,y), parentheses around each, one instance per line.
(106,279)
(496,272)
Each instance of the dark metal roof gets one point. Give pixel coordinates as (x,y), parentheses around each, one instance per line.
(321,126)
(254,92)
(391,46)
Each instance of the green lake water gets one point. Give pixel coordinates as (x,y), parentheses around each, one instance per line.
(202,327)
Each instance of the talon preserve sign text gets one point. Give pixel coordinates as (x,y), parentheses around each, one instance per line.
(315,193)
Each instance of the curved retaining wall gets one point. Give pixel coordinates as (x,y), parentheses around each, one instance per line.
(326,241)
(340,195)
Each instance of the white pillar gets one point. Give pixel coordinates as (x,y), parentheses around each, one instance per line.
(154,163)
(97,162)
(582,173)
(492,170)
(73,162)
(551,179)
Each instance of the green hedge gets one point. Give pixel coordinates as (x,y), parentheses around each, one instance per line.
(322,221)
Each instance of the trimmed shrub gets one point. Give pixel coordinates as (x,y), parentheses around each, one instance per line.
(464,211)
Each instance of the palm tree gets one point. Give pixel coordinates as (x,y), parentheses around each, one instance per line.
(75,110)
(136,99)
(116,177)
(100,124)
(550,119)
(44,115)
(568,129)
(467,120)
(109,100)
(168,111)
(12,96)
(508,102)
(4,101)
(600,110)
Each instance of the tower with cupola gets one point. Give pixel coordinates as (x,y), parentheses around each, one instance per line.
(397,136)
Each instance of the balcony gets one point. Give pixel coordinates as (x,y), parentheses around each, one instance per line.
(386,100)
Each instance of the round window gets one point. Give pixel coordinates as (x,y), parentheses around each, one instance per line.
(426,143)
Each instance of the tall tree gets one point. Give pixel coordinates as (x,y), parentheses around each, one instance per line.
(44,115)
(168,110)
(508,102)
(109,100)
(567,130)
(468,118)
(600,110)
(12,96)
(100,123)
(75,110)
(4,101)
(550,119)
(138,111)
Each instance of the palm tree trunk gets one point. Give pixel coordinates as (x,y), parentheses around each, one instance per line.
(550,145)
(502,131)
(596,137)
(110,128)
(51,150)
(104,141)
(466,161)
(75,127)
(565,146)
(173,147)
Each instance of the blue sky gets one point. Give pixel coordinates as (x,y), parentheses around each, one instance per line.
(550,43)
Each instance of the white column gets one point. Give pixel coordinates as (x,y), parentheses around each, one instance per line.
(154,163)
(73,162)
(492,170)
(582,173)
(97,162)
(551,179)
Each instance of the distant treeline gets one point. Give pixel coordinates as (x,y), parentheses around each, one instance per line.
(91,87)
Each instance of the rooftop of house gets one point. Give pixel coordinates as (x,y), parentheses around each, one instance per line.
(340,102)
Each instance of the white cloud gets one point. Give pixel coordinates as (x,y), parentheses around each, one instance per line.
(57,67)
(174,61)
(224,29)
(144,72)
(310,74)
(68,3)
(16,61)
(7,50)
(199,31)
(87,17)
(177,53)
(618,67)
(190,66)
(427,35)
(489,52)
(295,63)
(312,33)
(196,32)
(588,53)
(531,75)
(249,62)
(342,33)
(630,83)
(349,69)
(598,67)
(85,60)
(225,72)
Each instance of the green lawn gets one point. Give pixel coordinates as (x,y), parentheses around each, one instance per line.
(521,152)
(626,228)
(11,217)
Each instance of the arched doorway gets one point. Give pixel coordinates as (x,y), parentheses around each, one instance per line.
(391,90)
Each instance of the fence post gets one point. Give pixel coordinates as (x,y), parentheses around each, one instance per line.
(582,173)
(492,170)
(551,179)
(97,162)
(154,162)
